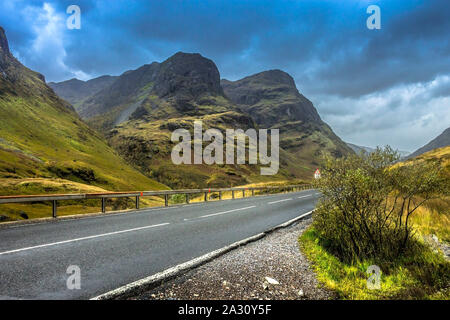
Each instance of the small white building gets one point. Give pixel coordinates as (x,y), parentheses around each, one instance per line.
(317,174)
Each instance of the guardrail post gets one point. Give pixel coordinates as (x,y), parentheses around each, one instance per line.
(206,196)
(166,200)
(232,194)
(137,202)
(220,195)
(54,208)
(103,205)
(187,198)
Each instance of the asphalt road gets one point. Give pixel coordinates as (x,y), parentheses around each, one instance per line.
(114,250)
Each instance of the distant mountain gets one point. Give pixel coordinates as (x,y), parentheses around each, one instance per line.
(358,150)
(440,141)
(141,108)
(41,137)
(74,90)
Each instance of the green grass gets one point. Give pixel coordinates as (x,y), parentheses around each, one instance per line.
(434,216)
(46,148)
(12,212)
(422,275)
(41,139)
(146,144)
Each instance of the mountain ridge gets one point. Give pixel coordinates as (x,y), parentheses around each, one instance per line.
(358,149)
(138,112)
(440,141)
(43,137)
(75,90)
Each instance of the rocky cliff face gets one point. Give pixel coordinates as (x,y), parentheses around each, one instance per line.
(271,97)
(4,47)
(10,68)
(273,101)
(182,82)
(187,76)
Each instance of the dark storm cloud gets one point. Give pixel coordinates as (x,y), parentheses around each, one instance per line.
(336,61)
(324,44)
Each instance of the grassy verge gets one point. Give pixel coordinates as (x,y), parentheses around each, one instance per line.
(18,211)
(434,218)
(424,274)
(226,195)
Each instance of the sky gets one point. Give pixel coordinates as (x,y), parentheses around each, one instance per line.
(388,86)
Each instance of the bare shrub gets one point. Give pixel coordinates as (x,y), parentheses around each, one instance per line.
(368,201)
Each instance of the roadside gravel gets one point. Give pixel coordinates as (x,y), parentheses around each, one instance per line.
(241,273)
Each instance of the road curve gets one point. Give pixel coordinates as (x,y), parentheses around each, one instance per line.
(114,250)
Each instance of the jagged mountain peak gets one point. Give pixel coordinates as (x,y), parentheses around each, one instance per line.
(13,72)
(269,77)
(5,55)
(272,97)
(4,47)
(188,75)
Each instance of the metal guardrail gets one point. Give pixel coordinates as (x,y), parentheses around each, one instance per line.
(54,198)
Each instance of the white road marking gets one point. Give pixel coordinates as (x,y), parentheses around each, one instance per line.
(309,195)
(180,268)
(83,238)
(219,213)
(279,201)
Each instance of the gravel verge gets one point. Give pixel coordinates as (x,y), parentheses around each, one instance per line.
(241,274)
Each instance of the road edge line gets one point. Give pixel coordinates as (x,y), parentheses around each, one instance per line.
(89,215)
(157,279)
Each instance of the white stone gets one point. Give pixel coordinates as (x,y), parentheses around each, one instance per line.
(271,280)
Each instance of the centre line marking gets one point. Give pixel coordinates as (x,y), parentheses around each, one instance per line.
(280,201)
(309,195)
(219,213)
(83,238)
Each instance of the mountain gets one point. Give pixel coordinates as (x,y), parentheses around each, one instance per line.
(43,141)
(438,155)
(180,85)
(141,108)
(272,97)
(150,102)
(359,149)
(273,101)
(74,90)
(440,141)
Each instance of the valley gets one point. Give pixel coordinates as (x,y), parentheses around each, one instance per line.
(138,112)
